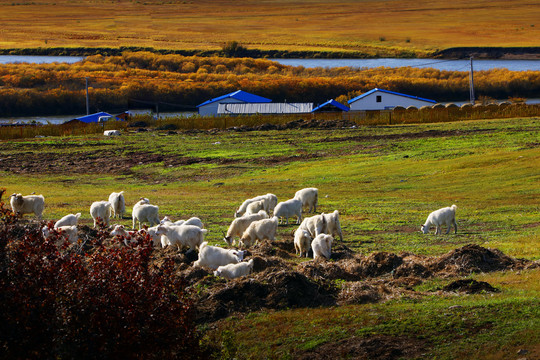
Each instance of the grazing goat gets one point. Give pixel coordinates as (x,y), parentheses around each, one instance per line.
(309,198)
(445,216)
(191,221)
(68,233)
(314,225)
(186,235)
(254,207)
(144,212)
(302,242)
(118,204)
(100,209)
(68,220)
(289,208)
(322,246)
(213,256)
(260,230)
(333,226)
(240,224)
(269,203)
(233,271)
(28,204)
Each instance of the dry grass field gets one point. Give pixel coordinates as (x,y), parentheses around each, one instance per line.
(370,26)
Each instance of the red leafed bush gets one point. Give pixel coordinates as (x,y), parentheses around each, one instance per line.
(60,301)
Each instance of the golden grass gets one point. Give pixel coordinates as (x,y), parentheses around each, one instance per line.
(276,24)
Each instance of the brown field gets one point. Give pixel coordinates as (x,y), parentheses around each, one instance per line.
(366,25)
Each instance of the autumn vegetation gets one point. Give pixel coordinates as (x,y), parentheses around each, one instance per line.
(117,83)
(368,27)
(96,299)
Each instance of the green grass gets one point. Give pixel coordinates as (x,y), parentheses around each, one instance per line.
(383,180)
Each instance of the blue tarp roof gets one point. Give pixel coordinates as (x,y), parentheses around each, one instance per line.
(239,95)
(93,117)
(389,92)
(331,103)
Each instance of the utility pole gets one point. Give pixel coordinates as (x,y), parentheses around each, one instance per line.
(471,83)
(87,103)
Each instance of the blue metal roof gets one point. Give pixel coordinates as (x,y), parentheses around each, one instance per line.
(331,103)
(93,117)
(239,95)
(390,92)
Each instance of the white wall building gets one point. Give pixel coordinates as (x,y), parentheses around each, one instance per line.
(379,99)
(210,107)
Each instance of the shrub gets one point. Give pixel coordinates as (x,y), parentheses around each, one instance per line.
(104,302)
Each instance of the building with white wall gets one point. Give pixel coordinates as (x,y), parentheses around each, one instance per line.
(210,107)
(379,99)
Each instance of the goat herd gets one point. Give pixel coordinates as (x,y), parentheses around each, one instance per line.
(251,224)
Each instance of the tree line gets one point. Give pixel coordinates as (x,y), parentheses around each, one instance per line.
(118,82)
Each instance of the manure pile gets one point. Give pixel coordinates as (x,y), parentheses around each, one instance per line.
(279,282)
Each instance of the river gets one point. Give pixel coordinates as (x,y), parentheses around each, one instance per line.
(451,65)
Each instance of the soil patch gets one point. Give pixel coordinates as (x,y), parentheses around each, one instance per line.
(375,347)
(470,286)
(280,280)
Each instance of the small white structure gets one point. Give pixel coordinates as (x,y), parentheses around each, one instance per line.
(379,99)
(210,107)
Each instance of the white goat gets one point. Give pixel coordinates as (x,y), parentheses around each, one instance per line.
(118,204)
(445,216)
(269,203)
(302,242)
(289,208)
(28,204)
(322,246)
(333,226)
(254,207)
(213,256)
(100,209)
(68,232)
(186,235)
(191,221)
(239,225)
(157,239)
(314,225)
(68,220)
(233,271)
(309,198)
(111,133)
(260,230)
(144,212)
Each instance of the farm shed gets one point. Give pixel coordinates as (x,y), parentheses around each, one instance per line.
(379,99)
(331,106)
(94,118)
(210,107)
(265,108)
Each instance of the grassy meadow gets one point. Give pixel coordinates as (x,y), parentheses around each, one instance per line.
(369,26)
(384,180)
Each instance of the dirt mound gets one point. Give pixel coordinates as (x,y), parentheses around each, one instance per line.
(380,347)
(269,289)
(268,248)
(470,286)
(473,258)
(352,268)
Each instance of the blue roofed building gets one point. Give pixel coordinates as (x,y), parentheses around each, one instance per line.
(97,117)
(210,107)
(379,99)
(331,106)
